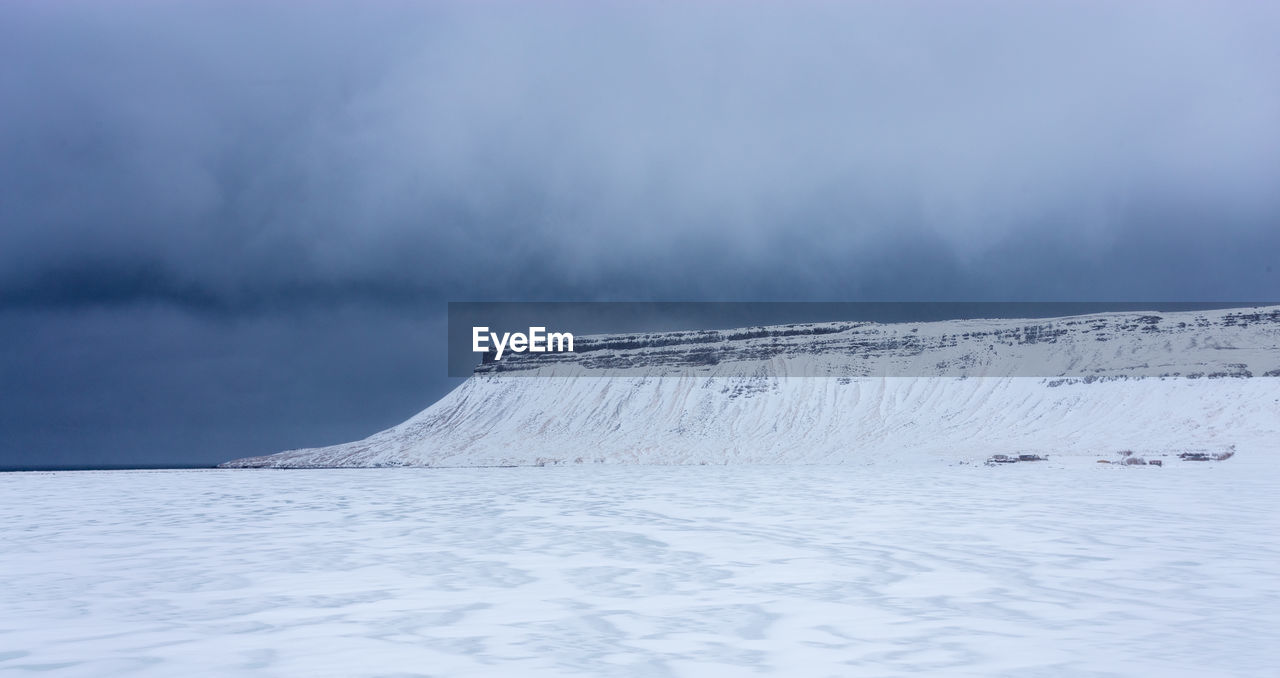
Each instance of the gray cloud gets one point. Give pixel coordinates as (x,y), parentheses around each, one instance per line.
(153,384)
(224,153)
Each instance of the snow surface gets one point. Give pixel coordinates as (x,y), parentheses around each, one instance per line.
(1154,383)
(917,567)
(494,421)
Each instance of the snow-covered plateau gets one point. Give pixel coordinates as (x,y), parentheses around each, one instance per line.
(796,501)
(1065,568)
(853,393)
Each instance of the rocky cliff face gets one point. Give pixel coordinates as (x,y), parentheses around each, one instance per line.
(1220,343)
(851,392)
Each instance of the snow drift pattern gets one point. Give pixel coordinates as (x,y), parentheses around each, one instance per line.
(1155,383)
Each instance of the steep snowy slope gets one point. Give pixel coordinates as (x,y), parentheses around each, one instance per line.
(852,392)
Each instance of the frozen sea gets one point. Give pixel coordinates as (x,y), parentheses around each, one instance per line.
(1050,569)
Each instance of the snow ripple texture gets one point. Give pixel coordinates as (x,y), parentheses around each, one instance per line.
(1049,569)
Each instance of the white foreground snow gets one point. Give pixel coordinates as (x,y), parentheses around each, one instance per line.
(1059,568)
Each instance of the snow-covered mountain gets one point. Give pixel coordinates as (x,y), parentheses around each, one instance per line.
(851,392)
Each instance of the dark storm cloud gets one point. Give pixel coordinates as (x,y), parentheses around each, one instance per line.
(216,155)
(153,384)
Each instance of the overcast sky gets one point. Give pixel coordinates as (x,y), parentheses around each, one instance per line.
(230,228)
